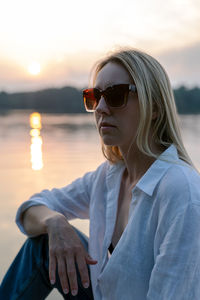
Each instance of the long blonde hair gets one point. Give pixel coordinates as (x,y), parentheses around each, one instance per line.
(154,92)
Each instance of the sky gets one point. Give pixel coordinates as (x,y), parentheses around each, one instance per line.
(65,38)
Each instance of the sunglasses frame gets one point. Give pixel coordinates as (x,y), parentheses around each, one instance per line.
(131,88)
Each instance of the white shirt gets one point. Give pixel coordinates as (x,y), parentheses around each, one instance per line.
(158,254)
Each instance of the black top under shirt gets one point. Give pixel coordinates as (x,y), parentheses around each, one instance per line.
(111,248)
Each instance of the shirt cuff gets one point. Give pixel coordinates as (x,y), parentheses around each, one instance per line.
(21,210)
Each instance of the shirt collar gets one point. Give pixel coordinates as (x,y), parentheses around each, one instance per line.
(153,175)
(151,178)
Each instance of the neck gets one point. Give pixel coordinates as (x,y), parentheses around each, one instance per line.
(137,163)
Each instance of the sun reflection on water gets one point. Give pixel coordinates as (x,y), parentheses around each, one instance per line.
(36,141)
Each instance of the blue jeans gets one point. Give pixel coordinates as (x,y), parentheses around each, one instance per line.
(28,276)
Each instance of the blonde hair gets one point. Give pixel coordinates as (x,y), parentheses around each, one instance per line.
(154,93)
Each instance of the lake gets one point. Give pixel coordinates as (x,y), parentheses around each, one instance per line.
(50,151)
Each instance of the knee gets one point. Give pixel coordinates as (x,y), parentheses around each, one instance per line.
(37,240)
(37,246)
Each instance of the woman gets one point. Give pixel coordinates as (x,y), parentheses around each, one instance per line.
(143,202)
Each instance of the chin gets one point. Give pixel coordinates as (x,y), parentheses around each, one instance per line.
(108,141)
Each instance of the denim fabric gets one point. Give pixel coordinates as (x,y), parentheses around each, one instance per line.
(27,277)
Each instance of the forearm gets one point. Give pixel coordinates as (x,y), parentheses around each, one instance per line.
(36,219)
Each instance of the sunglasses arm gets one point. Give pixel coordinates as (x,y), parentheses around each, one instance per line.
(132,88)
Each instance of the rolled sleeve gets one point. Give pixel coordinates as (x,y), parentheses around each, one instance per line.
(72,200)
(176,272)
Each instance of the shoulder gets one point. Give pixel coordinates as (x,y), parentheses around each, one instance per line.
(180,179)
(100,170)
(178,190)
(97,176)
(177,198)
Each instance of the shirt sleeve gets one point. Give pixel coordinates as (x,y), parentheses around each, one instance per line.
(72,201)
(176,272)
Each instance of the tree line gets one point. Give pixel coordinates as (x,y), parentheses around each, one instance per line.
(69,100)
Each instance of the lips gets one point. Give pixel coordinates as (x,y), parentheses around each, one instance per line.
(106,124)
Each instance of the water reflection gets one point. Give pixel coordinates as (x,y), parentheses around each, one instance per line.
(36,141)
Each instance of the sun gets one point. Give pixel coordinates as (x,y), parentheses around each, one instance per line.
(34,68)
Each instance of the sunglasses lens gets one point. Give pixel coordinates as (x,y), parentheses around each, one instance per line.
(90,97)
(116,96)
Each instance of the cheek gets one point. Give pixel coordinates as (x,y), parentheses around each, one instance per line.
(130,125)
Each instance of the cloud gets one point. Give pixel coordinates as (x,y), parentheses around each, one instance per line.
(182,65)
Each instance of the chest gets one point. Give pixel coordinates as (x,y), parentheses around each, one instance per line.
(124,200)
(133,254)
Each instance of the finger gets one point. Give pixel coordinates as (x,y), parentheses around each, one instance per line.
(52,268)
(62,272)
(83,270)
(72,276)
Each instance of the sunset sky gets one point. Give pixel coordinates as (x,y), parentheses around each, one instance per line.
(54,43)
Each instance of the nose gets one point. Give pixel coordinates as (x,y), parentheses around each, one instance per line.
(102,107)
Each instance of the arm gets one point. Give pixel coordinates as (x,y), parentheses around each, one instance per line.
(48,212)
(65,247)
(72,201)
(176,271)
(35,219)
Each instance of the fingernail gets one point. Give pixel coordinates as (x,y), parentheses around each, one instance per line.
(74,292)
(65,291)
(86,285)
(52,281)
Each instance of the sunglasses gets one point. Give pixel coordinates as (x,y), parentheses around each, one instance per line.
(115,96)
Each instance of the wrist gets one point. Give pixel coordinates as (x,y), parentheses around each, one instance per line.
(56,219)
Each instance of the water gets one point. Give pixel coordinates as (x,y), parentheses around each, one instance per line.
(70,147)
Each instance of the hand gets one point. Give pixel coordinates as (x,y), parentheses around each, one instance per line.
(66,249)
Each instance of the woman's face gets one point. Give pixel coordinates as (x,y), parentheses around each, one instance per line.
(116,126)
